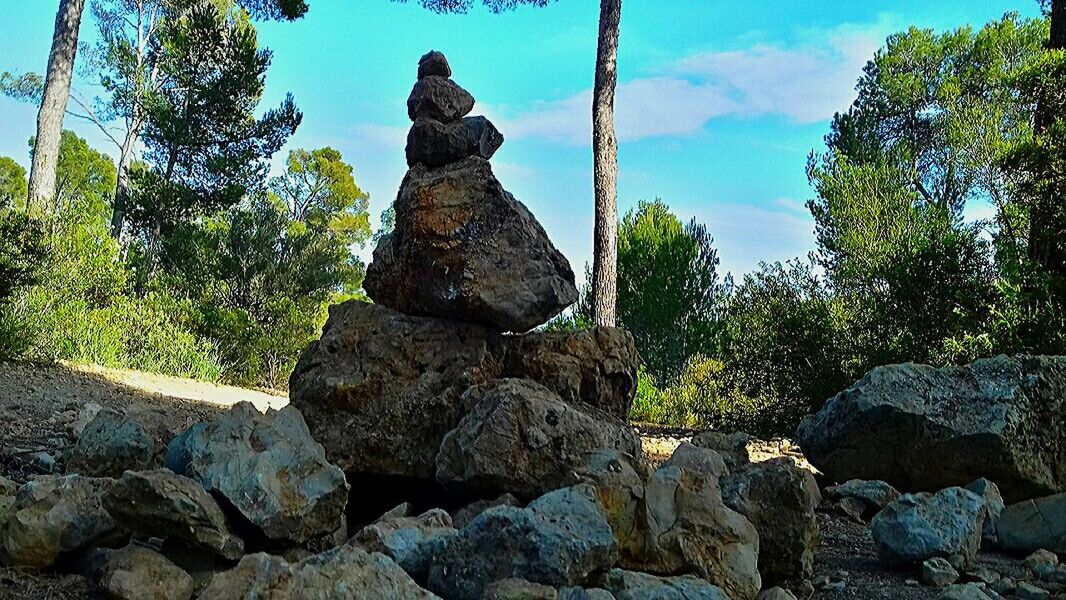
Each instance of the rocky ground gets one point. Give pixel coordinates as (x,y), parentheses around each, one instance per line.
(39,405)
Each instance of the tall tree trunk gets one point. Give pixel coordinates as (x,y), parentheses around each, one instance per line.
(1045,247)
(122,186)
(605,167)
(54,101)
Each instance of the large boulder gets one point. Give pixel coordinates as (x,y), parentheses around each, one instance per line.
(435,144)
(113,442)
(136,573)
(380,389)
(619,481)
(162,504)
(268,468)
(923,429)
(522,438)
(54,516)
(778,498)
(558,540)
(343,572)
(595,366)
(921,526)
(690,529)
(464,248)
(1038,524)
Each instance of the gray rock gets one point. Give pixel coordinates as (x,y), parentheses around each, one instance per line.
(938,572)
(619,481)
(114,442)
(268,468)
(464,248)
(433,63)
(162,504)
(921,428)
(576,593)
(776,593)
(463,516)
(631,585)
(921,526)
(558,540)
(409,541)
(343,572)
(780,500)
(523,439)
(1005,586)
(136,573)
(519,589)
(435,144)
(993,508)
(875,495)
(852,508)
(438,98)
(967,591)
(698,460)
(1034,524)
(691,530)
(54,516)
(1028,591)
(85,416)
(732,446)
(1042,563)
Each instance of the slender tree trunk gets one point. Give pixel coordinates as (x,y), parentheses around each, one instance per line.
(605,167)
(1045,247)
(54,101)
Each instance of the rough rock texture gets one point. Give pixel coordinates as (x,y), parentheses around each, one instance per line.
(558,540)
(924,429)
(938,572)
(631,585)
(268,467)
(993,508)
(113,442)
(967,591)
(921,526)
(406,539)
(53,516)
(1034,525)
(136,573)
(596,366)
(690,529)
(438,98)
(698,460)
(8,491)
(519,589)
(380,389)
(463,516)
(733,447)
(779,499)
(776,593)
(344,572)
(874,495)
(619,481)
(464,248)
(434,144)
(522,438)
(162,504)
(433,63)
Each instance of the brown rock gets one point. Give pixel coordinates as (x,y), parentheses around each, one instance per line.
(464,248)
(522,438)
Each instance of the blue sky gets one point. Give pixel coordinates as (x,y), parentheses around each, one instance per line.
(719,102)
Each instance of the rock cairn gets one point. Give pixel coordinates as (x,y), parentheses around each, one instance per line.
(435,358)
(463,248)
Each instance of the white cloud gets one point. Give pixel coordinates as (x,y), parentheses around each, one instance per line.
(806,82)
(385,137)
(746,234)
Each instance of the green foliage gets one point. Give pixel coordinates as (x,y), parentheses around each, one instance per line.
(668,287)
(13,186)
(85,178)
